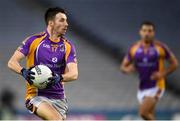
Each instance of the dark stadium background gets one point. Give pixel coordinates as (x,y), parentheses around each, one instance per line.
(102,30)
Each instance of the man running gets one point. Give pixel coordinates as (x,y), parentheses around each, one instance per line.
(52,49)
(147,57)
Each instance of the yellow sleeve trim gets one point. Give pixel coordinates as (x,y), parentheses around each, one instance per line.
(68,49)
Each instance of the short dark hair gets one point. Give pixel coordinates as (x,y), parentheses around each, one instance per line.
(148,23)
(51,13)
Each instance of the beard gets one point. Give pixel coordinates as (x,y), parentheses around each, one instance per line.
(58,32)
(61,32)
(148,39)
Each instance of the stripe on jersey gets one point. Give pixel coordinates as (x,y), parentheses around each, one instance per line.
(68,49)
(31,90)
(133,50)
(160,83)
(38,50)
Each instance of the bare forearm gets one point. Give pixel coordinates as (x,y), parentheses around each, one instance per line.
(127,66)
(14,66)
(14,62)
(127,69)
(69,76)
(173,64)
(123,69)
(170,69)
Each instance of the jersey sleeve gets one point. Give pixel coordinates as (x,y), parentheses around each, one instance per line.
(25,45)
(168,53)
(128,54)
(70,53)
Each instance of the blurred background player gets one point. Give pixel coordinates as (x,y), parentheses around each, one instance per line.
(147,57)
(8,109)
(52,49)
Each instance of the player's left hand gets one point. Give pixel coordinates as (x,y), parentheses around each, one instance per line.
(157,75)
(54,80)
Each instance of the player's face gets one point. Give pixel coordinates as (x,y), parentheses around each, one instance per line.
(147,33)
(60,23)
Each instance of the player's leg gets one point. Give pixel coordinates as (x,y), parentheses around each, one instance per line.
(42,107)
(47,112)
(153,110)
(61,106)
(147,107)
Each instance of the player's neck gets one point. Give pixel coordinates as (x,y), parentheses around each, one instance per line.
(53,36)
(146,43)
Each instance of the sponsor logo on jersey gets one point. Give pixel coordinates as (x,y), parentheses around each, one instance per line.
(54,59)
(62,47)
(145,60)
(46,45)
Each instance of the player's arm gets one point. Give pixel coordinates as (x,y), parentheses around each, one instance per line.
(19,54)
(172,60)
(173,64)
(71,72)
(14,65)
(127,66)
(14,62)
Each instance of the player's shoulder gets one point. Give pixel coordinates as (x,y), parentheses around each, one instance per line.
(134,45)
(40,34)
(67,41)
(160,44)
(32,37)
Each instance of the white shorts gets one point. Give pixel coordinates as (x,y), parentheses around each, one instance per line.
(151,92)
(59,104)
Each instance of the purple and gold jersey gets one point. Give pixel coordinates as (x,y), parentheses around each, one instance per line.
(39,49)
(148,63)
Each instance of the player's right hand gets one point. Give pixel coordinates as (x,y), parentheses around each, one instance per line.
(28,75)
(128,69)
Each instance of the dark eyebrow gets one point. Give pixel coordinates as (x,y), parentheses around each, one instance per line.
(62,19)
